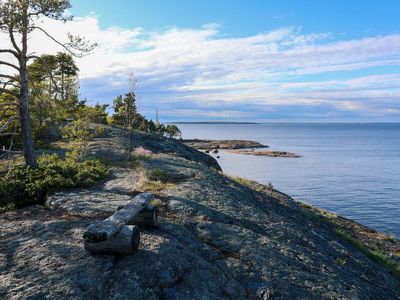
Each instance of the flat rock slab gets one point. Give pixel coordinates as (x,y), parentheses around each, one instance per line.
(223,144)
(42,257)
(268,153)
(105,199)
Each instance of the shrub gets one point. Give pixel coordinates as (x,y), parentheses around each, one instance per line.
(158,175)
(23,186)
(166,177)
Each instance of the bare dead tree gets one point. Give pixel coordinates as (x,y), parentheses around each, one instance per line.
(130,112)
(18,19)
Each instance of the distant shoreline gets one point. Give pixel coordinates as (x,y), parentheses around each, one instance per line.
(213,123)
(286,123)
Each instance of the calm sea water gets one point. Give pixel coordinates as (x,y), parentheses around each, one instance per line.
(349,169)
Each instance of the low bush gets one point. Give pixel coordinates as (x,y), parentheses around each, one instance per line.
(166,177)
(23,186)
(158,175)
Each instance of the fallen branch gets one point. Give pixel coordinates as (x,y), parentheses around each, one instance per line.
(104,230)
(125,241)
(148,217)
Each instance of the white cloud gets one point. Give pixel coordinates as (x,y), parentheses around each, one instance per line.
(200,66)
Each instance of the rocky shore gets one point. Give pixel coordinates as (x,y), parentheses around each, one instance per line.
(268,153)
(244,147)
(219,238)
(222,144)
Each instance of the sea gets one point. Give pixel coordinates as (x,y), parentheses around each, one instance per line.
(349,169)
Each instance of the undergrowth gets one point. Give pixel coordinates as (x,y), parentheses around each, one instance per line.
(22,186)
(374,254)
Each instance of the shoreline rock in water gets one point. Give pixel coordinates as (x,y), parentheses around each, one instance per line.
(222,144)
(268,153)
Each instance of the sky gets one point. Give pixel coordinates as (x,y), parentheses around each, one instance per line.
(260,61)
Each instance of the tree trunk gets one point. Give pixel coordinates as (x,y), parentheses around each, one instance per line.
(148,217)
(104,230)
(62,86)
(29,151)
(125,241)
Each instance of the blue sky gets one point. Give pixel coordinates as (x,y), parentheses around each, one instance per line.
(355,18)
(278,61)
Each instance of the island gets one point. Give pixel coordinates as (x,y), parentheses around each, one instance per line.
(222,144)
(268,153)
(245,147)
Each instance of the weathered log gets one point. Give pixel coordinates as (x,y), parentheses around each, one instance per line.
(102,231)
(148,217)
(125,241)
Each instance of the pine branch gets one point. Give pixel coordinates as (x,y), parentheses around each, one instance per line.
(7,123)
(12,78)
(9,65)
(48,70)
(10,51)
(9,92)
(12,38)
(74,45)
(11,83)
(8,104)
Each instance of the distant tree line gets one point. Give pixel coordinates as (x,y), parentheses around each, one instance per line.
(126,104)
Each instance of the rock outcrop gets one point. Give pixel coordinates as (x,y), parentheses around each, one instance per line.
(114,140)
(218,239)
(222,144)
(268,153)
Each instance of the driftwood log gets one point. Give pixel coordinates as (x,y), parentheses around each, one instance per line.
(125,241)
(104,230)
(148,217)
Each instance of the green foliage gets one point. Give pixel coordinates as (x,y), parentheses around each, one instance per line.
(374,254)
(341,261)
(78,130)
(158,175)
(8,122)
(370,251)
(243,181)
(162,176)
(97,114)
(22,186)
(172,131)
(127,116)
(125,111)
(53,94)
(135,162)
(54,99)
